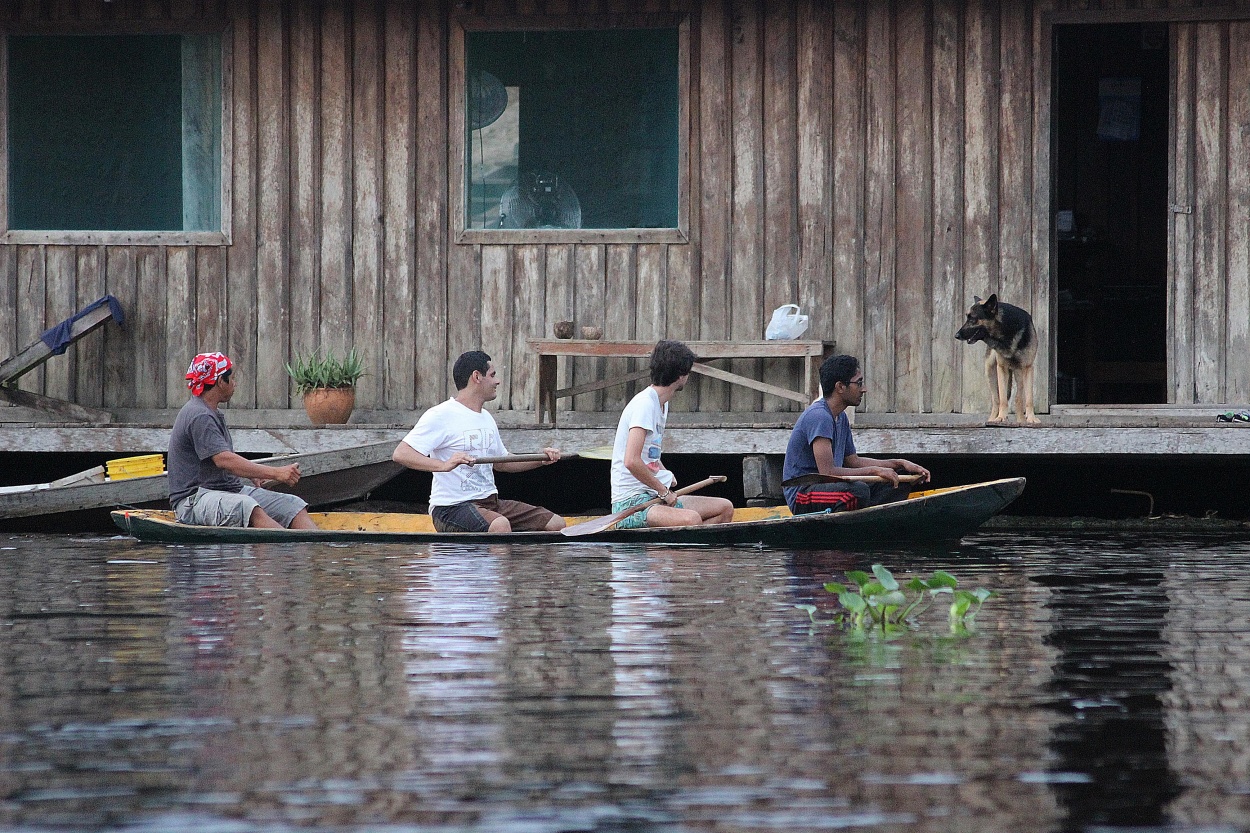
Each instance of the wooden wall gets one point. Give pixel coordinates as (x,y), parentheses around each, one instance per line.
(877,161)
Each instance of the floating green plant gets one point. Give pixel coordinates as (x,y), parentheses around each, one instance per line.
(880,602)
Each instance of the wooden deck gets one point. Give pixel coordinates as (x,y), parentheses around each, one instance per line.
(1069,431)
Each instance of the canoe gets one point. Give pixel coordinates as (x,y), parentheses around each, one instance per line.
(327,477)
(932,516)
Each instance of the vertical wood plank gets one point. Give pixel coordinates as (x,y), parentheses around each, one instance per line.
(446,276)
(528,285)
(815,176)
(61,290)
(121,344)
(848,177)
(747,239)
(1045,304)
(1238,303)
(399,345)
(89,353)
(1181,192)
(651,322)
(180,322)
(913,194)
(148,362)
(210,302)
(1015,152)
(948,183)
(558,304)
(273,233)
(681,320)
(31,308)
(589,268)
(366,240)
(336,178)
(305,194)
(716,181)
(241,256)
(1210,187)
(980,255)
(497,315)
(879,208)
(619,296)
(8,301)
(780,188)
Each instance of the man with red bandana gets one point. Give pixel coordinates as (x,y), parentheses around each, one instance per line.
(207,479)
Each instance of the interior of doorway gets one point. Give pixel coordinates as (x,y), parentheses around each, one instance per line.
(1110,132)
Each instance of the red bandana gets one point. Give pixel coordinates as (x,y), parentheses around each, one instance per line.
(206,369)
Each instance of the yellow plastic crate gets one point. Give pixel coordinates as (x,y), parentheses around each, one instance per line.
(142,466)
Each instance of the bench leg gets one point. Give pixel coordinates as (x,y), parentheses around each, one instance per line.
(546,388)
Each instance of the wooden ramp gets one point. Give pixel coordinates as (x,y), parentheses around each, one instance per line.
(54,342)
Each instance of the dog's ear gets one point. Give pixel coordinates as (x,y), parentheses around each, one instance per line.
(976,299)
(991,304)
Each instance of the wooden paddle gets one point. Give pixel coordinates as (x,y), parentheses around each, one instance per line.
(808,479)
(521,458)
(600,524)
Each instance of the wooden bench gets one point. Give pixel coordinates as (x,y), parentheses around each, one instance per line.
(549,350)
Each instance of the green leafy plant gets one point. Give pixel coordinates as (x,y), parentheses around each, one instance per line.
(880,602)
(328,371)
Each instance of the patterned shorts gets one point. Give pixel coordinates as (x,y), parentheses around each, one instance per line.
(638,520)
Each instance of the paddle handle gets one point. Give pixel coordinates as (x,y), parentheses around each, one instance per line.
(521,458)
(876,478)
(694,487)
(808,479)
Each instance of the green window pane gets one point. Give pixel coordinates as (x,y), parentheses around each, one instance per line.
(572,129)
(114,132)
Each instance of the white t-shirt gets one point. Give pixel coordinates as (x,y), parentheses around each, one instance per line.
(450,427)
(643,411)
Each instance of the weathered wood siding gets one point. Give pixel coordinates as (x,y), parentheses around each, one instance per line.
(877,162)
(1209,303)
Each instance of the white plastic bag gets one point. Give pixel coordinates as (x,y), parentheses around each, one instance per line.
(786,323)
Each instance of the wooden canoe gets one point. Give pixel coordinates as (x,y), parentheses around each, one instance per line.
(328,477)
(933,516)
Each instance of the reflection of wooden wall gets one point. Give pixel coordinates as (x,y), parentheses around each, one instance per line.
(877,162)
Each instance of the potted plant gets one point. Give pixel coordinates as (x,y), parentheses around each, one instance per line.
(328,385)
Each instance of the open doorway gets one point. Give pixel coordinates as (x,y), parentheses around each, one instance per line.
(1110,131)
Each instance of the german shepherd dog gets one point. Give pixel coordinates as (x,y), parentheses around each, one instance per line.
(1012,341)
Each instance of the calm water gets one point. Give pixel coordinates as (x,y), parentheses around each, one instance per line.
(595,688)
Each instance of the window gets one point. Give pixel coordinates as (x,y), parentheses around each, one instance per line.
(573,134)
(114,138)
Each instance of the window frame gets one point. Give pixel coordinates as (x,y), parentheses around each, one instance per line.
(138,237)
(458,196)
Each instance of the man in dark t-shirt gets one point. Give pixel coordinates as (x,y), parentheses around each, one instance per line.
(821,443)
(207,483)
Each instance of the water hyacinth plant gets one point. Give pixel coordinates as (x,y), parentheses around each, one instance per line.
(879,601)
(315,371)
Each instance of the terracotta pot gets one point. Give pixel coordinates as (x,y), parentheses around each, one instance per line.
(330,406)
(592,332)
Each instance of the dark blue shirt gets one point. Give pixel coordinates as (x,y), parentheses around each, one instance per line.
(816,421)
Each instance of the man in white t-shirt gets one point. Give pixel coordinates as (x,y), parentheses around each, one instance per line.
(638,475)
(448,439)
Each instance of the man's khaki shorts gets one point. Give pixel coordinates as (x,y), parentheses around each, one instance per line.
(211,508)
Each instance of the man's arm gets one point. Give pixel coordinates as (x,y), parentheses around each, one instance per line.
(888,469)
(257,473)
(408,456)
(640,470)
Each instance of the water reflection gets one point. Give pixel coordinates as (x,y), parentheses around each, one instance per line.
(1110,676)
(607,688)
